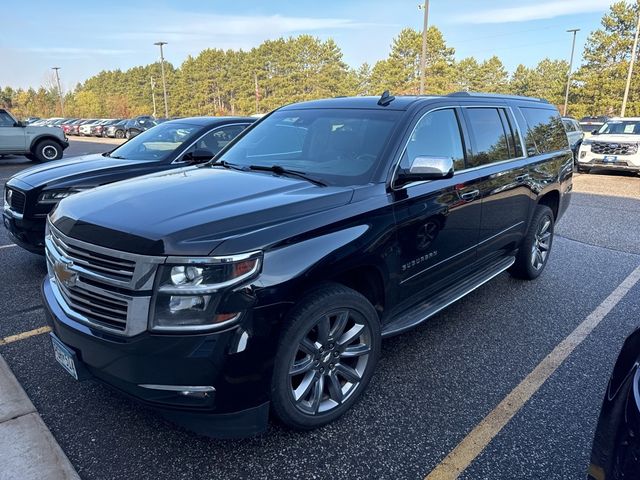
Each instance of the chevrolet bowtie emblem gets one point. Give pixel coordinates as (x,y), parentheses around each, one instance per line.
(64,274)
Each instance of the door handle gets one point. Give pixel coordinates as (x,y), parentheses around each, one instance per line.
(522,178)
(471,195)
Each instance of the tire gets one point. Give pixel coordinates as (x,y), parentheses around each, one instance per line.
(119,134)
(127,134)
(47,151)
(536,246)
(318,342)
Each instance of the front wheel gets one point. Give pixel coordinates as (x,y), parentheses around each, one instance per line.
(119,134)
(326,357)
(536,246)
(47,150)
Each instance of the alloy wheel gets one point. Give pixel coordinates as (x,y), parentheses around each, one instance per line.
(50,152)
(329,362)
(541,243)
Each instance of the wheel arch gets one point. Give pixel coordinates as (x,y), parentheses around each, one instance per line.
(551,199)
(44,136)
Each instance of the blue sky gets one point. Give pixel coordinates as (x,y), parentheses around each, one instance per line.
(85,37)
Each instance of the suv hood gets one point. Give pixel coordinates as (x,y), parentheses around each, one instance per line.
(616,138)
(77,171)
(189,211)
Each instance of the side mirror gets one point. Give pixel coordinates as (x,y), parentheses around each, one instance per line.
(199,155)
(426,168)
(595,132)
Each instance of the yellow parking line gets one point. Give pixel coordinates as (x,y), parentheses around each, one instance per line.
(23,335)
(477,440)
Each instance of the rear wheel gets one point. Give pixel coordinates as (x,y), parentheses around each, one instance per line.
(119,134)
(47,150)
(326,357)
(536,246)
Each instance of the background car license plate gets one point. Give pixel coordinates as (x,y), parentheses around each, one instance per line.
(609,158)
(64,357)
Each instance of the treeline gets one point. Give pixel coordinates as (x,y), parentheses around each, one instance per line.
(302,68)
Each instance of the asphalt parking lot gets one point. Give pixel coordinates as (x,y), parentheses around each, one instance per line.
(433,385)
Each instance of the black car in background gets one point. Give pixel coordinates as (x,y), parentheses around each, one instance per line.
(35,191)
(574,134)
(615,454)
(97,130)
(590,124)
(137,125)
(265,281)
(115,130)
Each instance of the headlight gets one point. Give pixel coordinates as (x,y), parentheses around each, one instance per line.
(54,196)
(190,290)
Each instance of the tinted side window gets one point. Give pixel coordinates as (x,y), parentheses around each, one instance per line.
(6,120)
(490,140)
(546,132)
(437,134)
(215,140)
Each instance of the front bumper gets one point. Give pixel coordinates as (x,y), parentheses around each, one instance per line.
(238,407)
(27,233)
(622,162)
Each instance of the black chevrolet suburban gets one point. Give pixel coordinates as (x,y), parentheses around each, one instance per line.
(265,280)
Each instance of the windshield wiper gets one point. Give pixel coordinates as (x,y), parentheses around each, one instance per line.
(223,163)
(279,170)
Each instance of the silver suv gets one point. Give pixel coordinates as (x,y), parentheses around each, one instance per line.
(39,144)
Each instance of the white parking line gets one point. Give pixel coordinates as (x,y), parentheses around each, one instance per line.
(7,246)
(459,459)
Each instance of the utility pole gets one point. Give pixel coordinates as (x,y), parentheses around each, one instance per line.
(633,59)
(573,48)
(59,89)
(423,57)
(153,95)
(164,83)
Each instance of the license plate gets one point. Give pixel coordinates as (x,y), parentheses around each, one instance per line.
(609,158)
(64,356)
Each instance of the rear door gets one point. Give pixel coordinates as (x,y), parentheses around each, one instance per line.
(12,137)
(438,221)
(502,169)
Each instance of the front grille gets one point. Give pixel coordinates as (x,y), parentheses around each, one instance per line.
(105,288)
(100,264)
(614,148)
(98,308)
(15,200)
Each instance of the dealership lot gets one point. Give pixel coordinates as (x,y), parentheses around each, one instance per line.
(432,387)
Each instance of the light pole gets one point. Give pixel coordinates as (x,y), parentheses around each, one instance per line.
(153,95)
(573,48)
(633,59)
(423,57)
(164,83)
(59,89)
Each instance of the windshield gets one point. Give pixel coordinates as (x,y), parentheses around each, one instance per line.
(157,143)
(338,146)
(623,127)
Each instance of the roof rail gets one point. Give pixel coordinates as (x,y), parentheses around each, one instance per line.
(495,95)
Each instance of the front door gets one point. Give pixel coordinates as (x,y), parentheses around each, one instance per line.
(12,137)
(438,221)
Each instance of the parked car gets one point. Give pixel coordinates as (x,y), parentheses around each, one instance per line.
(30,120)
(85,128)
(264,281)
(615,454)
(71,127)
(175,144)
(614,146)
(74,127)
(137,125)
(589,124)
(574,134)
(39,144)
(98,128)
(115,130)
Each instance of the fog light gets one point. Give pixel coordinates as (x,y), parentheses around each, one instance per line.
(583,154)
(178,303)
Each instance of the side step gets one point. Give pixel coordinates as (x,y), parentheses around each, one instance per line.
(418,314)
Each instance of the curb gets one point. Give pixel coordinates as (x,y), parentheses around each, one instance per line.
(28,450)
